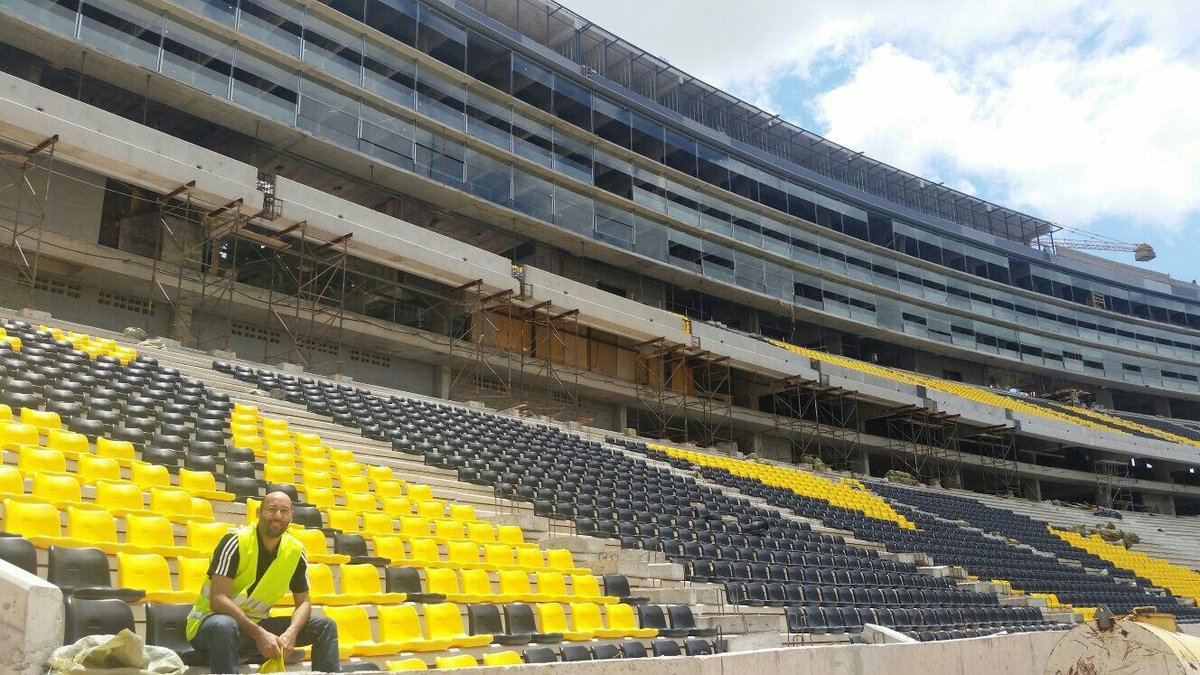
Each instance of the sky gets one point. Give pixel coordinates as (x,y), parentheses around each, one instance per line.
(1083,112)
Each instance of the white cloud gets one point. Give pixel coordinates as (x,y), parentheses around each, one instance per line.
(1075,110)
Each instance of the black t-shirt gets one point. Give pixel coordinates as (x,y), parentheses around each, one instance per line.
(226,557)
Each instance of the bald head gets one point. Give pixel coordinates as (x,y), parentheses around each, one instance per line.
(274,515)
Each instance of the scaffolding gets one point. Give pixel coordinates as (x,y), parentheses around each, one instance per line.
(193,263)
(997,449)
(817,420)
(924,442)
(1114,487)
(25,179)
(683,393)
(513,355)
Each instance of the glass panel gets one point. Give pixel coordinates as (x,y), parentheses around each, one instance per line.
(680,152)
(328,114)
(265,88)
(442,38)
(489,121)
(439,158)
(351,8)
(614,226)
(572,103)
(682,203)
(610,121)
(532,84)
(126,30)
(489,178)
(647,139)
(196,59)
(274,22)
(57,16)
(650,238)
(572,158)
(532,140)
(573,211)
(441,99)
(649,189)
(533,196)
(332,49)
(394,18)
(386,137)
(612,174)
(489,62)
(389,74)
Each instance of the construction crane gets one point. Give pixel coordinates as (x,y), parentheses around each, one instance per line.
(1141,252)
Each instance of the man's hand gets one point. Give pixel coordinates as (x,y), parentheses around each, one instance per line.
(287,642)
(267,643)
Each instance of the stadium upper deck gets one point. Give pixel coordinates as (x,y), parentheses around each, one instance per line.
(521,130)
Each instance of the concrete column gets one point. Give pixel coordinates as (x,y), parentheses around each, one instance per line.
(31,620)
(1104,397)
(1032,489)
(182,320)
(861,463)
(621,417)
(442,377)
(1162,406)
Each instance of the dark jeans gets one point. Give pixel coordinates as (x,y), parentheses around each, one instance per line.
(220,637)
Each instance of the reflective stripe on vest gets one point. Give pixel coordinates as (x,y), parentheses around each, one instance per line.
(273,585)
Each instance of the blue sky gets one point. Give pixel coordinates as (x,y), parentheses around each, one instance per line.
(1082,112)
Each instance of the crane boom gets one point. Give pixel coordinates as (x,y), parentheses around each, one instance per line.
(1141,252)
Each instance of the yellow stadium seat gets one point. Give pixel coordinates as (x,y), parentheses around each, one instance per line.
(418,492)
(354,633)
(91,469)
(464,554)
(362,501)
(120,451)
(500,556)
(5,413)
(248,442)
(322,590)
(193,572)
(445,581)
(377,524)
(481,532)
(306,438)
(276,473)
(44,421)
(98,528)
(530,558)
(465,513)
(586,618)
(32,459)
(150,573)
(424,552)
(505,658)
(205,536)
(352,484)
(320,497)
(455,662)
(201,509)
(339,455)
(59,489)
(552,619)
(405,664)
(316,464)
(121,497)
(448,530)
(203,484)
(149,475)
(12,483)
(172,503)
(443,621)
(587,587)
(511,535)
(396,506)
(15,434)
(553,585)
(477,586)
(390,547)
(380,473)
(38,522)
(560,559)
(431,508)
(341,518)
(514,586)
(414,526)
(623,623)
(400,625)
(69,443)
(384,489)
(156,535)
(363,581)
(316,548)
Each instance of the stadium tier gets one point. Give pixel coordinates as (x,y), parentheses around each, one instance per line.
(559,352)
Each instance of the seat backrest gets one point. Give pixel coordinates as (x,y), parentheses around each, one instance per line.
(586,616)
(20,552)
(575,653)
(95,617)
(633,649)
(166,626)
(651,616)
(484,618)
(149,530)
(399,623)
(540,655)
(519,618)
(360,579)
(442,580)
(402,580)
(616,584)
(77,568)
(665,648)
(353,625)
(148,571)
(443,620)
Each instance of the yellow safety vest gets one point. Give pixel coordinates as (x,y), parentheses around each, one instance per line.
(273,585)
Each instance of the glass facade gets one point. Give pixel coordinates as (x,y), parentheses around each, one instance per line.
(312,68)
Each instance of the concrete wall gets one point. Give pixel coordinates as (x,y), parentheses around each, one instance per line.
(31,620)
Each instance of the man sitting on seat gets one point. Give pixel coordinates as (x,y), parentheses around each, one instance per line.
(251,569)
